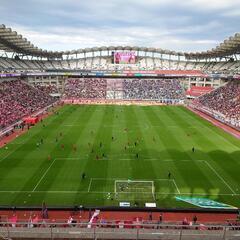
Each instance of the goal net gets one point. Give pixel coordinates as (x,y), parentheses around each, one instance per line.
(134,190)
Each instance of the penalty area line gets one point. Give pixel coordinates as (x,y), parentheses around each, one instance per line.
(174,182)
(45,173)
(90,184)
(220,177)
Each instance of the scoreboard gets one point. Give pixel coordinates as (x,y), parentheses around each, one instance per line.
(124,57)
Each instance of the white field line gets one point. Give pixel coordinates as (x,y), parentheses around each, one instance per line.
(220,177)
(8,154)
(147,159)
(12,152)
(69,159)
(137,188)
(103,192)
(170,126)
(125,179)
(59,159)
(112,179)
(208,164)
(19,145)
(90,183)
(44,175)
(174,182)
(105,126)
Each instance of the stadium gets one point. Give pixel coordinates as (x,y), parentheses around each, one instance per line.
(119,142)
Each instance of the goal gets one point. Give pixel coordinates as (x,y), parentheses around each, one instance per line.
(134,190)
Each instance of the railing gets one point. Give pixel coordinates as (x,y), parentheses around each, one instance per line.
(120,230)
(8,129)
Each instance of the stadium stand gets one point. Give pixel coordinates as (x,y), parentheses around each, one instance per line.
(197,91)
(223,103)
(47,89)
(18,99)
(77,88)
(167,90)
(101,63)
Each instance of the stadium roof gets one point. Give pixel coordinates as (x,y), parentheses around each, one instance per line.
(229,47)
(11,41)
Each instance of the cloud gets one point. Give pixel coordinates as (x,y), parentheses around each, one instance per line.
(172,24)
(210,5)
(75,38)
(232,13)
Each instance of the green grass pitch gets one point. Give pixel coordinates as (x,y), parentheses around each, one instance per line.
(164,137)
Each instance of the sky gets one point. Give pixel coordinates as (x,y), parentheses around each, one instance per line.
(180,25)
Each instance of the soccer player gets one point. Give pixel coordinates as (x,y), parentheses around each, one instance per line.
(112,138)
(41,141)
(62,146)
(169,175)
(83,175)
(49,157)
(56,139)
(135,144)
(137,155)
(193,149)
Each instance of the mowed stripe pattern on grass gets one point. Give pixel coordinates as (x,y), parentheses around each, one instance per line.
(119,142)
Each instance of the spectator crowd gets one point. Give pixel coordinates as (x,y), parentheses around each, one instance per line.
(167,90)
(224,100)
(85,88)
(18,99)
(48,88)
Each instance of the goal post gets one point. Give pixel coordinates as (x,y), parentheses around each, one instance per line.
(134,189)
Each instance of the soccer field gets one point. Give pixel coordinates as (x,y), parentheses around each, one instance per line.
(126,153)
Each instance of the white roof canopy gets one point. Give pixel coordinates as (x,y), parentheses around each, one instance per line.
(11,41)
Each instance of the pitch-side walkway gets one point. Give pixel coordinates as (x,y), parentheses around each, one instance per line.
(85,215)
